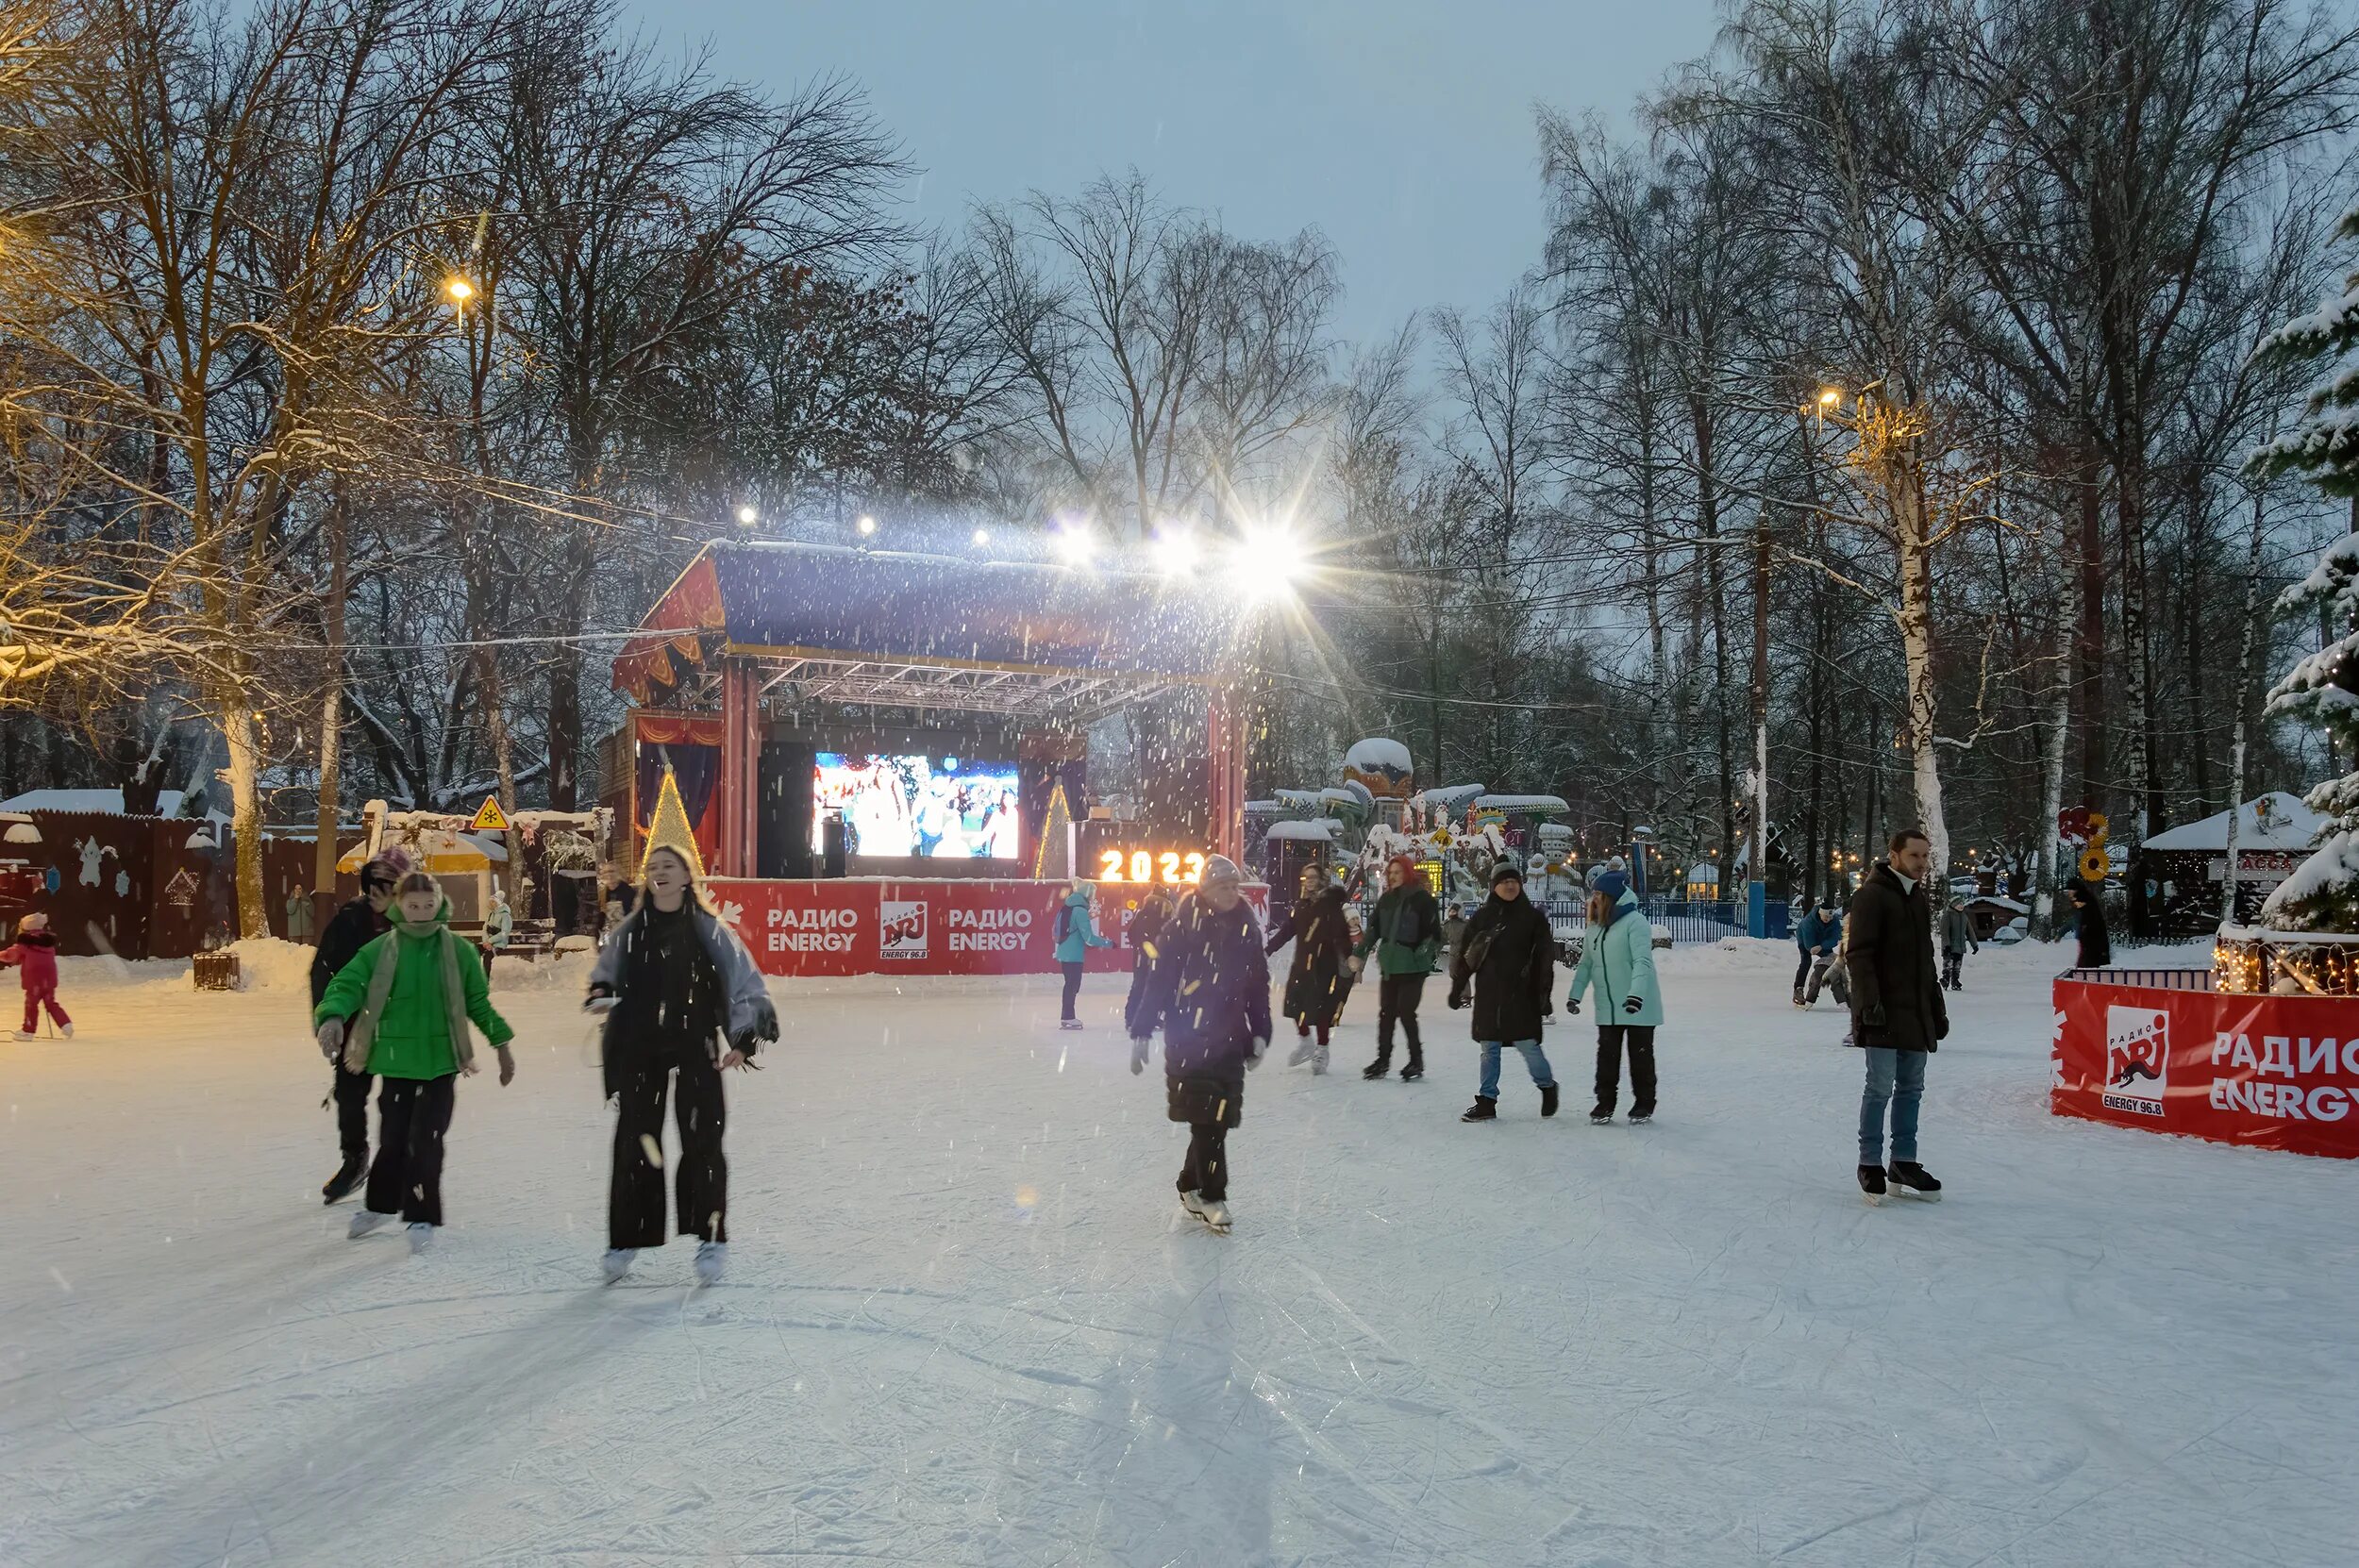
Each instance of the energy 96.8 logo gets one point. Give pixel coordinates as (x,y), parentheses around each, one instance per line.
(2137,1059)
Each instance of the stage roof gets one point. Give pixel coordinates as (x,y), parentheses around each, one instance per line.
(897,629)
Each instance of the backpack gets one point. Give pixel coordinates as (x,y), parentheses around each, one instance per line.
(1065,922)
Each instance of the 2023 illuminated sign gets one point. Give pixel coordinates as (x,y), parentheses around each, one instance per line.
(1172,867)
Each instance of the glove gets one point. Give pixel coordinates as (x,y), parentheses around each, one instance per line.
(1457,1000)
(1261,1049)
(1872,1016)
(1139,1045)
(331,1037)
(600,1001)
(1941,1028)
(1631,1004)
(1572,1007)
(508,1065)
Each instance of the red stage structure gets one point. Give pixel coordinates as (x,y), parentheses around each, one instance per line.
(762,657)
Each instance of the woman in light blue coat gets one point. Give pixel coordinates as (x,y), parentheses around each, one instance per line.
(1076,933)
(1617,956)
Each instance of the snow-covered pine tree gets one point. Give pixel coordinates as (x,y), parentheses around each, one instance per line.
(2323,688)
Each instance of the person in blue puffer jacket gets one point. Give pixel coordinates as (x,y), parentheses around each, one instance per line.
(1617,956)
(1819,934)
(1076,933)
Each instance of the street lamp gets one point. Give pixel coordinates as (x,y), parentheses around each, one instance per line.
(747,515)
(866,526)
(460,291)
(981,537)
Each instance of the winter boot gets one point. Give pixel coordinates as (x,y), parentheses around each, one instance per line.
(1601,1113)
(66,1030)
(26,1034)
(365,1222)
(1482,1110)
(1547,1101)
(1216,1216)
(617,1262)
(348,1179)
(421,1236)
(1915,1180)
(1376,1069)
(712,1261)
(1871,1184)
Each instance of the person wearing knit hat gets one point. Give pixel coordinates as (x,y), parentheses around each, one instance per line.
(35,959)
(1210,991)
(1508,957)
(1317,979)
(349,929)
(1406,933)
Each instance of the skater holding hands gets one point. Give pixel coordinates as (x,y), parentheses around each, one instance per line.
(1209,990)
(1617,958)
(682,1001)
(34,956)
(400,1010)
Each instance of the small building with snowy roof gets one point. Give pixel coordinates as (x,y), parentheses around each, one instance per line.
(2186,867)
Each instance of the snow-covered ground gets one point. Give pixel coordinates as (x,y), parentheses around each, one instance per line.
(967,1324)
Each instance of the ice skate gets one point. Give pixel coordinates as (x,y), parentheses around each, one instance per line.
(24,1034)
(1377,1068)
(1912,1181)
(1318,1062)
(1797,997)
(1305,1048)
(365,1222)
(348,1179)
(1216,1216)
(421,1236)
(1871,1184)
(1411,1072)
(1599,1114)
(1068,1023)
(1482,1110)
(66,1030)
(1640,1118)
(1193,1201)
(617,1262)
(713,1261)
(1548,1100)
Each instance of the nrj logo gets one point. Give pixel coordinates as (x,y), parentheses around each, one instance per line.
(901,928)
(2137,1059)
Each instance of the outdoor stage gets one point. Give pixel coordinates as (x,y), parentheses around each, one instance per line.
(883,757)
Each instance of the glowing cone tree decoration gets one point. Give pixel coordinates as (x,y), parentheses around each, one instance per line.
(1055,820)
(669,828)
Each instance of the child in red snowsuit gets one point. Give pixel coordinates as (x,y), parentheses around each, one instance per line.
(36,956)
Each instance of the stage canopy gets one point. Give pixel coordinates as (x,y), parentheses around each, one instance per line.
(902,631)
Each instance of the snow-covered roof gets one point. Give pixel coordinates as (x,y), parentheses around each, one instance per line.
(111,801)
(1378,753)
(1527,805)
(1322,829)
(2285,824)
(1448,796)
(1997,902)
(1704,871)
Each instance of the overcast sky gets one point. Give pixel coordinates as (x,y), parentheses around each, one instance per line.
(1402,128)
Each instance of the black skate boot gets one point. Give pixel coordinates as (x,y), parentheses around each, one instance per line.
(1376,1069)
(1601,1113)
(1482,1110)
(1413,1071)
(348,1179)
(1871,1184)
(1914,1181)
(1547,1101)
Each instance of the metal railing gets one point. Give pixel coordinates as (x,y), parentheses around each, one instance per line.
(1688,921)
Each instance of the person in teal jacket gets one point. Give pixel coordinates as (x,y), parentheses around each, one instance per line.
(1617,956)
(1076,933)
(401,1009)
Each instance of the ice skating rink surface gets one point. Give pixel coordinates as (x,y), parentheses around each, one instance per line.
(967,1323)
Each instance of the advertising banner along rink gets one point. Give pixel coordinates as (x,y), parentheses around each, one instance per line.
(958,927)
(2270,1071)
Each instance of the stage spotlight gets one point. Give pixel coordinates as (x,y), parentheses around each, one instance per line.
(747,515)
(1176,553)
(866,526)
(1268,563)
(1073,544)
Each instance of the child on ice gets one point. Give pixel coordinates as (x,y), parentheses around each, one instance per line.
(35,956)
(400,1010)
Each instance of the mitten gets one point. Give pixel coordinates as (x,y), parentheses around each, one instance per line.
(1139,1045)
(331,1037)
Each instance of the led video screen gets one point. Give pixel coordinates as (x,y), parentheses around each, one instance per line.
(925,807)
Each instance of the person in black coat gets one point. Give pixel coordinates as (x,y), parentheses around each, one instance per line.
(1508,956)
(1147,925)
(1320,975)
(1210,991)
(2088,911)
(1899,1015)
(353,927)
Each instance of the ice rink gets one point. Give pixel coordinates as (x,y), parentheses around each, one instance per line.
(967,1323)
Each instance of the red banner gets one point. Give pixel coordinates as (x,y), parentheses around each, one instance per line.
(2272,1072)
(945,927)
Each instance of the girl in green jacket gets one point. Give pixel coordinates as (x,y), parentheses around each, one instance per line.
(400,1010)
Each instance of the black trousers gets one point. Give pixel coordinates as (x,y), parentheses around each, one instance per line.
(1641,1040)
(412,1116)
(1801,970)
(634,1208)
(1140,972)
(1072,987)
(1951,966)
(1207,1168)
(1396,999)
(351,1094)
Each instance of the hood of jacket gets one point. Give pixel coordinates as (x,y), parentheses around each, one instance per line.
(425,928)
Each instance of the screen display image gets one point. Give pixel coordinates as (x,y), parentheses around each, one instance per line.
(925,807)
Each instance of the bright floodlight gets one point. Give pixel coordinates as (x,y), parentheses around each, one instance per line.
(866,524)
(1830,399)
(747,515)
(1175,553)
(1073,544)
(459,290)
(1268,563)
(982,536)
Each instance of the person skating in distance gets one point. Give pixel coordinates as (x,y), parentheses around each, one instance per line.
(349,929)
(682,1001)
(1145,935)
(1316,979)
(400,1010)
(1819,934)
(1617,956)
(1209,990)
(1076,933)
(1406,932)
(1509,958)
(1898,1016)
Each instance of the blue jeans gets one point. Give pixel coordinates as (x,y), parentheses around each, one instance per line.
(1534,1059)
(1896,1078)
